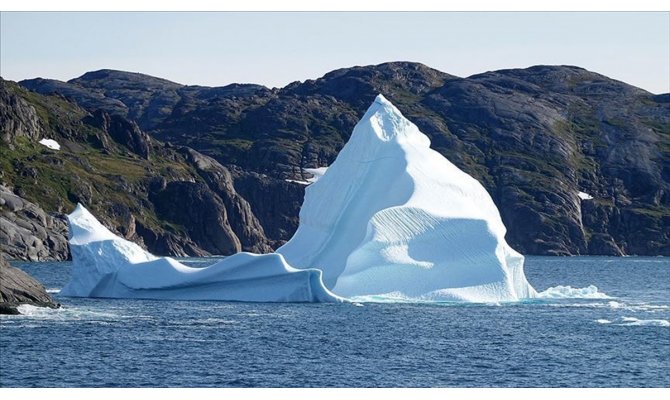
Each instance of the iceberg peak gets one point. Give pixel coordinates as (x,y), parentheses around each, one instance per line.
(85,228)
(391,215)
(383,121)
(380,99)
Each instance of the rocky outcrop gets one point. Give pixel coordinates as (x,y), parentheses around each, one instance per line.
(275,202)
(124,132)
(241,219)
(28,232)
(17,287)
(17,118)
(202,214)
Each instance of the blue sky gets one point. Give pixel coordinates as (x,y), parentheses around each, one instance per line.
(275,49)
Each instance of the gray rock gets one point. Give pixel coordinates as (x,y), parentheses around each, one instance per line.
(240,217)
(17,287)
(28,233)
(17,118)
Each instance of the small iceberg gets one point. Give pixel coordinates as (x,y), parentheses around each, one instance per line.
(105,265)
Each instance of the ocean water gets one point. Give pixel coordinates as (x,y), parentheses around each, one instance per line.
(617,335)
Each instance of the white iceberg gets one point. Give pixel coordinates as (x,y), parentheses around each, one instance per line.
(50,143)
(389,219)
(393,217)
(105,265)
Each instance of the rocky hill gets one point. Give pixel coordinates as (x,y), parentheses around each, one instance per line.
(171,199)
(535,138)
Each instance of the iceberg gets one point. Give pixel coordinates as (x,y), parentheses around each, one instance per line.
(105,265)
(393,217)
(390,219)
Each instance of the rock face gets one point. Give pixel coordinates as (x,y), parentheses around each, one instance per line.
(27,232)
(245,226)
(275,203)
(534,137)
(17,287)
(17,118)
(124,132)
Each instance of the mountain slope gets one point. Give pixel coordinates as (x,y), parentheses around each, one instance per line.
(534,137)
(150,192)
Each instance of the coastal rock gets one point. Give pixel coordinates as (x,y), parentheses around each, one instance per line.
(17,287)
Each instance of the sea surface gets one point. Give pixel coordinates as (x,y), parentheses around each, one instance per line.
(617,335)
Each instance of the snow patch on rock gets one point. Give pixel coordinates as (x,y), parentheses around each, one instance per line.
(584,196)
(50,143)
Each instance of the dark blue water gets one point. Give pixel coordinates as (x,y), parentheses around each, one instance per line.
(618,341)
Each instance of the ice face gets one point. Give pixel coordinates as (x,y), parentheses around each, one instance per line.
(391,215)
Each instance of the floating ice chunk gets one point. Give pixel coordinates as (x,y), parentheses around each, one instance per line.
(568,292)
(631,321)
(50,143)
(584,196)
(105,265)
(615,304)
(391,215)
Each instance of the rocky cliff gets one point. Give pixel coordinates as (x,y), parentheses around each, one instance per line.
(535,138)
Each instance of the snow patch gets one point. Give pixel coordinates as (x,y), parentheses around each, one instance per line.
(50,143)
(298,182)
(584,196)
(317,172)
